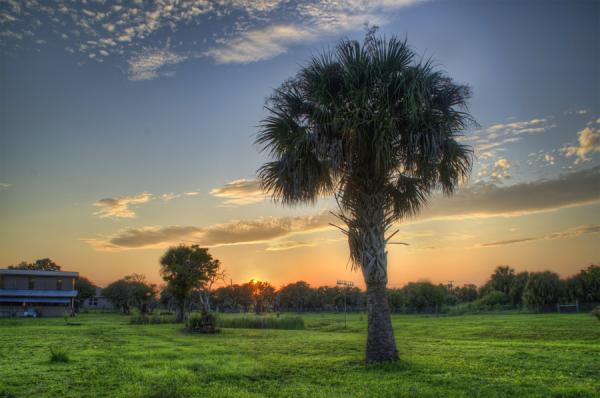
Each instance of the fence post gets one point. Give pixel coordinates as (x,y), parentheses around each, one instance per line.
(558,307)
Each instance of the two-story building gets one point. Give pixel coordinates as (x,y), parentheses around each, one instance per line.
(50,293)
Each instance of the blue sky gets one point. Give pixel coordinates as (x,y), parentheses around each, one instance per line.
(134,122)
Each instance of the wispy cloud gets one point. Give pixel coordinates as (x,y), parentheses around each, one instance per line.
(312,20)
(120,207)
(240,192)
(124,206)
(489,142)
(4,186)
(136,32)
(167,197)
(151,63)
(588,143)
(567,233)
(261,230)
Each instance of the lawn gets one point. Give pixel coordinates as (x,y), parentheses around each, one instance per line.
(554,355)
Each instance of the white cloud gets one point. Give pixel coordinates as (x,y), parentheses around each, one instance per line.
(259,44)
(240,192)
(589,143)
(150,63)
(500,170)
(4,186)
(316,19)
(120,207)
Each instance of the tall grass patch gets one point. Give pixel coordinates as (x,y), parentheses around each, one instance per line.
(287,322)
(138,318)
(58,355)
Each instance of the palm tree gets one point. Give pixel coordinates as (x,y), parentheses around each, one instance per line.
(376,129)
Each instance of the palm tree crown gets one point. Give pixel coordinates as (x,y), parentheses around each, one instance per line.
(369,124)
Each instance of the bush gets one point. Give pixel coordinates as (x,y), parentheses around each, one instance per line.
(201,323)
(262,322)
(596,312)
(58,354)
(492,300)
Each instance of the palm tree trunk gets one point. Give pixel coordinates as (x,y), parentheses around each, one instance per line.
(370,240)
(381,344)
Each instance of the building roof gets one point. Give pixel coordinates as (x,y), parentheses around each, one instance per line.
(37,293)
(34,300)
(34,272)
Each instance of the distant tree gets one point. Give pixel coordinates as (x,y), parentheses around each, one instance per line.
(378,129)
(589,282)
(467,293)
(424,296)
(295,296)
(501,280)
(206,291)
(85,290)
(264,295)
(185,268)
(517,287)
(542,289)
(165,298)
(43,264)
(141,293)
(132,291)
(119,294)
(397,299)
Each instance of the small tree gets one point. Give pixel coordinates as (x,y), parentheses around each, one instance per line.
(141,293)
(85,290)
(185,268)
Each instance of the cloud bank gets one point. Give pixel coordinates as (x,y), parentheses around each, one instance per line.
(480,200)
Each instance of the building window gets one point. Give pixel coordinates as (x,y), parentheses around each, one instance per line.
(59,284)
(93,301)
(1,281)
(31,283)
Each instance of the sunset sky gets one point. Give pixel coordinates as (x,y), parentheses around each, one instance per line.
(127,127)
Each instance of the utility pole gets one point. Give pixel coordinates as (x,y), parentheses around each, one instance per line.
(346,285)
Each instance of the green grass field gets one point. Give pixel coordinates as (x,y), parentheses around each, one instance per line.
(473,355)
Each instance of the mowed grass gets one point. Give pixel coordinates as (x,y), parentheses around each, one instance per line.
(512,355)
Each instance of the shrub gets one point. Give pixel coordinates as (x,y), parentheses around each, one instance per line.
(58,354)
(493,299)
(263,322)
(201,323)
(596,312)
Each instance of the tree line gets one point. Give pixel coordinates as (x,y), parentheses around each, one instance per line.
(506,289)
(191,273)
